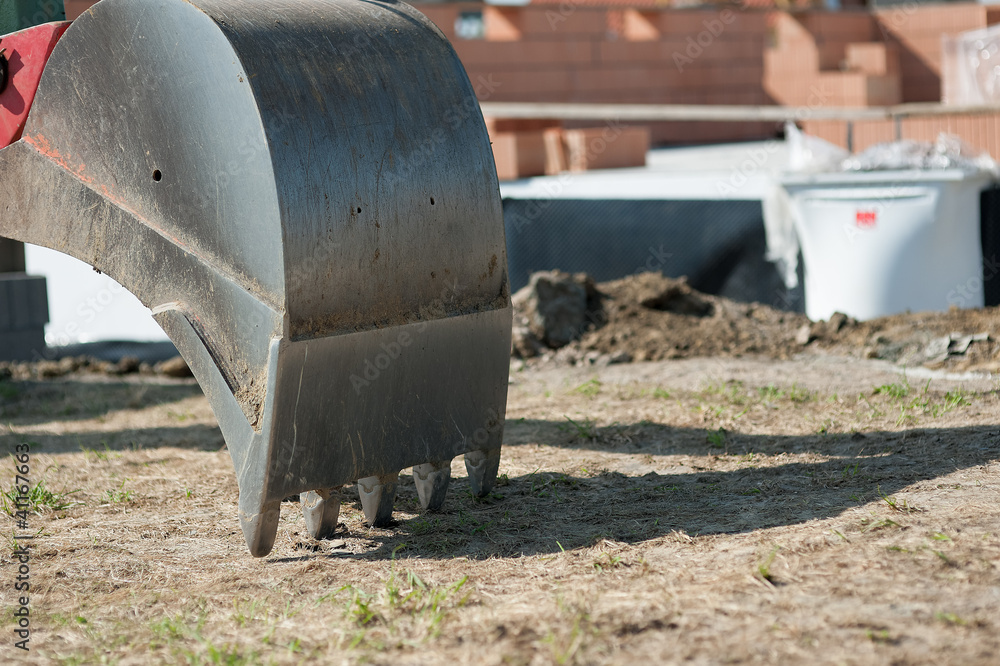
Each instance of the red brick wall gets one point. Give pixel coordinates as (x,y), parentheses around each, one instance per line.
(979,131)
(76,7)
(916,32)
(572,53)
(569,52)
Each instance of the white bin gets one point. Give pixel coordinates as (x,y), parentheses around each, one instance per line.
(883,242)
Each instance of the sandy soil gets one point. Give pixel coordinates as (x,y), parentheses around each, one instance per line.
(816,509)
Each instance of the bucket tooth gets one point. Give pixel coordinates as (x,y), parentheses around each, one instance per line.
(431,480)
(482,467)
(260,526)
(377,495)
(321,509)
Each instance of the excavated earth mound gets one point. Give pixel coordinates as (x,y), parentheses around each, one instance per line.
(651,317)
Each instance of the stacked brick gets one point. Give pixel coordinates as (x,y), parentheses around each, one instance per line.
(575,53)
(916,32)
(981,131)
(910,38)
(637,52)
(524,148)
(822,59)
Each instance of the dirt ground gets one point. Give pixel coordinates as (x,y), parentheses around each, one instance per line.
(813,510)
(791,507)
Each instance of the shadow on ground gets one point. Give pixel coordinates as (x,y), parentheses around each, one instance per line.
(643,498)
(196,437)
(661,479)
(32,402)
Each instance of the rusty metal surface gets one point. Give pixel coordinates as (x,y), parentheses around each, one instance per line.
(303,192)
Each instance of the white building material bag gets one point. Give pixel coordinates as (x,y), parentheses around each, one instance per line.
(893,229)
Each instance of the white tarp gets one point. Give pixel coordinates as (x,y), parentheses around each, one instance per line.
(970,67)
(806,154)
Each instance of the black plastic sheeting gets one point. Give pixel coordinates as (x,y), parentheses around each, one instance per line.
(718,245)
(989,210)
(116,350)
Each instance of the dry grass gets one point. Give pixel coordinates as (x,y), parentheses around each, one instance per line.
(753,522)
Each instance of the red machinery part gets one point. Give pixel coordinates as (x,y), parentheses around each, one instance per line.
(26,52)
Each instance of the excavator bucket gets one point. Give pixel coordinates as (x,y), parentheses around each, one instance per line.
(304,194)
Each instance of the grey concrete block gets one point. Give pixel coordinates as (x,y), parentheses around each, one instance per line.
(23,302)
(24,311)
(26,345)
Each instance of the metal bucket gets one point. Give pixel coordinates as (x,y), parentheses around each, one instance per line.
(304,194)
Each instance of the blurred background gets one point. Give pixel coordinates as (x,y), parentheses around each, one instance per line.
(614,191)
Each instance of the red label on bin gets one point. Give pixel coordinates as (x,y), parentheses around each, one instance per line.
(865,218)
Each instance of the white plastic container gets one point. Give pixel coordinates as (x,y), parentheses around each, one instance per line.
(883,242)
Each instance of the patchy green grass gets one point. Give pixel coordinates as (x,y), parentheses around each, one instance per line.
(183,638)
(40,499)
(118,495)
(405,610)
(897,391)
(100,456)
(717,439)
(585,429)
(763,571)
(794,394)
(734,392)
(913,403)
(585,559)
(589,389)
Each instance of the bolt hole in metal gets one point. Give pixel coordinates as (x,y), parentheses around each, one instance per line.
(432,201)
(157,176)
(359,210)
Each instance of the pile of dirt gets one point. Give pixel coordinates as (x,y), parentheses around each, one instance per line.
(956,340)
(651,317)
(52,368)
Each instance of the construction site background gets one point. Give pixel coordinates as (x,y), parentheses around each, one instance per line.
(754,53)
